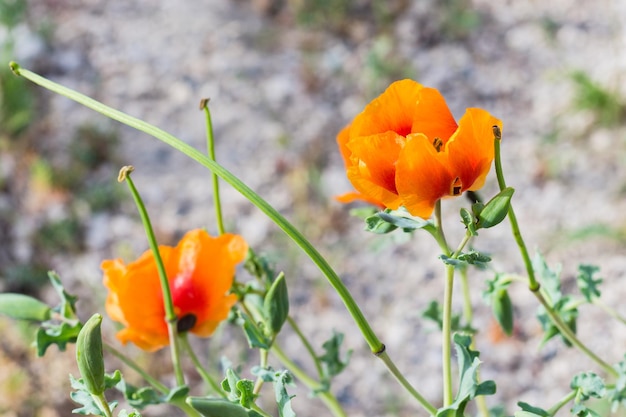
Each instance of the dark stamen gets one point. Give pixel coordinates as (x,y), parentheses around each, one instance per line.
(186,323)
(438,143)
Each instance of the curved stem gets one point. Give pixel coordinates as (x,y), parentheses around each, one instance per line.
(196,363)
(533,284)
(569,397)
(133,365)
(368,334)
(259,410)
(204,104)
(170,314)
(571,336)
(403,381)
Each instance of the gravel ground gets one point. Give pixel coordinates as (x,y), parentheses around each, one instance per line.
(279,93)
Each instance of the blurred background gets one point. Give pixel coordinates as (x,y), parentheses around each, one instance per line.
(284,76)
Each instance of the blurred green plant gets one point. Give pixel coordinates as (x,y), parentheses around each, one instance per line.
(607,107)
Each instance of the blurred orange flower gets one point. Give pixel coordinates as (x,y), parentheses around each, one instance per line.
(200,270)
(406,149)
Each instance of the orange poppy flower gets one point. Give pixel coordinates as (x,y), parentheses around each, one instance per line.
(200,270)
(406,149)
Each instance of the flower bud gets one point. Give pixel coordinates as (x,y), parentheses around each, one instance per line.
(89,355)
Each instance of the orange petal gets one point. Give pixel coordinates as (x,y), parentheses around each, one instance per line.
(432,117)
(210,264)
(422,176)
(471,148)
(373,170)
(392,111)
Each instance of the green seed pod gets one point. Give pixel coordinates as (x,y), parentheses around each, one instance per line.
(276,304)
(216,407)
(89,355)
(503,310)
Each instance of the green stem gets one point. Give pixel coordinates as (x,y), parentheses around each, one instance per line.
(133,365)
(368,334)
(170,314)
(438,234)
(263,354)
(565,330)
(326,396)
(610,311)
(103,405)
(208,379)
(533,284)
(259,410)
(446,330)
(204,104)
(403,381)
(306,344)
(189,410)
(569,397)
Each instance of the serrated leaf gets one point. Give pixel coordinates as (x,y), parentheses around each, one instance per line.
(23,307)
(550,278)
(434,312)
(469,221)
(496,209)
(469,387)
(332,362)
(283,399)
(588,385)
(82,396)
(138,397)
(581,410)
(59,334)
(617,395)
(67,308)
(567,309)
(587,284)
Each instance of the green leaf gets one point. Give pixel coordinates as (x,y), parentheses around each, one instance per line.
(259,266)
(276,305)
(587,284)
(588,385)
(617,395)
(23,307)
(470,258)
(550,278)
(255,335)
(59,334)
(177,393)
(469,388)
(434,312)
(138,397)
(283,399)
(239,390)
(332,362)
(390,220)
(216,407)
(567,309)
(89,355)
(496,209)
(469,221)
(67,308)
(530,411)
(82,396)
(124,413)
